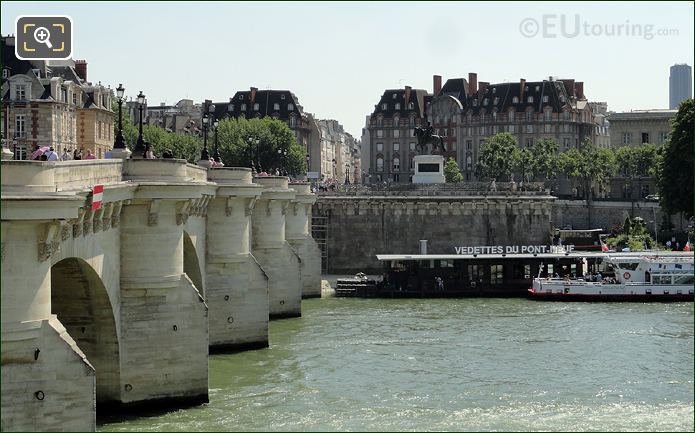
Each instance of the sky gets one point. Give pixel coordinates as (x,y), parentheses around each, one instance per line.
(339,57)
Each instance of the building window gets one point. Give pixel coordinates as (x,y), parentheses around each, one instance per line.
(230,107)
(396,164)
(627,137)
(293,122)
(529,129)
(74,98)
(290,107)
(411,106)
(515,100)
(396,147)
(379,122)
(511,115)
(412,163)
(645,137)
(548,115)
(394,96)
(380,147)
(469,144)
(398,105)
(379,133)
(396,133)
(243,107)
(5,73)
(496,274)
(469,162)
(529,142)
(276,106)
(545,98)
(384,106)
(663,137)
(396,122)
(482,130)
(20,92)
(380,164)
(256,107)
(19,125)
(494,116)
(565,143)
(548,128)
(241,97)
(566,115)
(412,146)
(529,116)
(485,102)
(453,132)
(511,128)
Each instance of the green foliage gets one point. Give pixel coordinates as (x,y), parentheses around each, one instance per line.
(524,164)
(675,169)
(499,155)
(545,154)
(242,141)
(452,173)
(634,235)
(590,165)
(637,161)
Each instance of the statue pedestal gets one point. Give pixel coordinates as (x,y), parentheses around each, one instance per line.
(429,169)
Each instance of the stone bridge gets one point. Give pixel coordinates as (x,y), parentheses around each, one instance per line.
(119,305)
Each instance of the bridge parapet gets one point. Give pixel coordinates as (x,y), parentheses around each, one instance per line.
(42,176)
(163,170)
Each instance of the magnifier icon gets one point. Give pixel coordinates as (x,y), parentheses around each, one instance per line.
(42,36)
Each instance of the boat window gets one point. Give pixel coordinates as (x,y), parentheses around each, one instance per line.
(475,273)
(683,279)
(550,270)
(661,279)
(628,266)
(522,271)
(397,265)
(496,274)
(446,263)
(427,264)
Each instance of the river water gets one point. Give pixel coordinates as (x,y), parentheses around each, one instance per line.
(469,364)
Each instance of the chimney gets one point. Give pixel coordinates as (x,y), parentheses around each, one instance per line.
(579,89)
(522,89)
(253,94)
(472,83)
(436,84)
(81,69)
(407,96)
(482,89)
(569,85)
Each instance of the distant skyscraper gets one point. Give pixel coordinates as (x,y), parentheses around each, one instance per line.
(680,85)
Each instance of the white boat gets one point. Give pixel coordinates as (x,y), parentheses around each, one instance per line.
(639,276)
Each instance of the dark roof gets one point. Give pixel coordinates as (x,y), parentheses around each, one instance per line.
(10,61)
(420,98)
(456,87)
(266,100)
(66,73)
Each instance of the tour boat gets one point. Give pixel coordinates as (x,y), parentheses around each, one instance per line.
(643,276)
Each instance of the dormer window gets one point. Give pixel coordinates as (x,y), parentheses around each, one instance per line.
(384,106)
(243,107)
(398,106)
(230,107)
(241,97)
(538,88)
(494,90)
(545,98)
(485,101)
(276,106)
(411,106)
(5,73)
(515,100)
(529,99)
(256,106)
(20,92)
(475,102)
(290,107)
(395,95)
(496,101)
(282,96)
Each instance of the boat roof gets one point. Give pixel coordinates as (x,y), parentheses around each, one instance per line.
(654,255)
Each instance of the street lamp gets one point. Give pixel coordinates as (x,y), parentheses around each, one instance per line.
(119,137)
(335,163)
(140,144)
(282,155)
(204,156)
(216,153)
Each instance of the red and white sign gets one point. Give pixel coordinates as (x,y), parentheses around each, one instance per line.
(97,196)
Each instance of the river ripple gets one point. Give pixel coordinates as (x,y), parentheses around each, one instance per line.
(470,364)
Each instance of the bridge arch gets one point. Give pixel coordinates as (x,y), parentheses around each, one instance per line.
(191,264)
(81,302)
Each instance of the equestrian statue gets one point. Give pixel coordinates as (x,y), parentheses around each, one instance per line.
(426,136)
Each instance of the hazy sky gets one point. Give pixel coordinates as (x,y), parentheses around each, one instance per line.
(338,58)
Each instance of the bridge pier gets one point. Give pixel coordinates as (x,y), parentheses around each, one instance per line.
(47,382)
(298,234)
(237,286)
(277,257)
(164,334)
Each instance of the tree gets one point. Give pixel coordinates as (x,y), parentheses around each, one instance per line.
(590,166)
(246,141)
(545,155)
(452,173)
(498,156)
(524,164)
(675,177)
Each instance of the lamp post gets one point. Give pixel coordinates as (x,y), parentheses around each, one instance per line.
(216,153)
(119,137)
(282,156)
(204,155)
(140,144)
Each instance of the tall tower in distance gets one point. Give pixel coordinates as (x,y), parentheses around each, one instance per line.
(680,85)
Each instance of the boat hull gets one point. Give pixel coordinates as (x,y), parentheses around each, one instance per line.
(582,297)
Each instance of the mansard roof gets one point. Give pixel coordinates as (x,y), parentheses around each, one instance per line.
(419,97)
